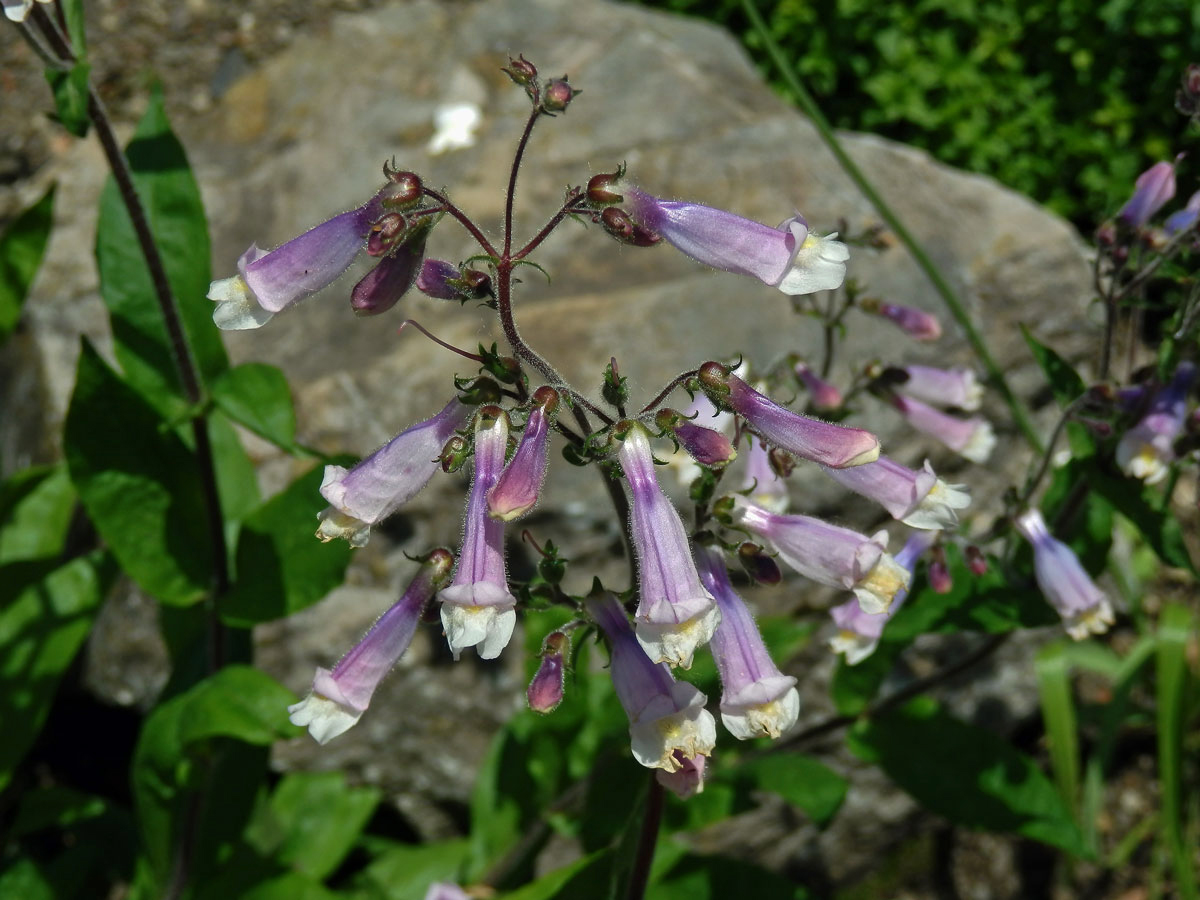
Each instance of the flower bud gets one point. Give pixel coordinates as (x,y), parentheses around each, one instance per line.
(545,691)
(521,71)
(454,454)
(939,573)
(381,288)
(976,561)
(706,446)
(617,223)
(916,323)
(758,565)
(556,95)
(601,189)
(516,491)
(404,191)
(1152,190)
(385,233)
(823,394)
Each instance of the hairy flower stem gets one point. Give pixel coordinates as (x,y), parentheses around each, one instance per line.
(648,840)
(953,304)
(509,199)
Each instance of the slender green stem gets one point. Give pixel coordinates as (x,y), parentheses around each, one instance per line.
(953,304)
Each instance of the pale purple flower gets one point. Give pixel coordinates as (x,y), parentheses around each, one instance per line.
(675,613)
(765,486)
(381,288)
(545,691)
(435,279)
(687,780)
(788,257)
(802,436)
(916,323)
(828,554)
(1152,190)
(919,499)
(1083,606)
(668,724)
(268,283)
(387,479)
(859,632)
(706,446)
(339,697)
(822,394)
(757,700)
(516,491)
(702,412)
(1147,450)
(942,387)
(1185,218)
(478,610)
(971,438)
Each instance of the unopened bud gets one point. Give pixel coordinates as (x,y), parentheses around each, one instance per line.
(441,564)
(545,691)
(385,233)
(714,379)
(617,223)
(454,454)
(781,462)
(976,561)
(758,565)
(481,390)
(404,191)
(521,71)
(1106,235)
(706,446)
(557,95)
(601,189)
(548,399)
(939,572)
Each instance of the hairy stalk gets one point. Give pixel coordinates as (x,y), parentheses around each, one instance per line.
(568,208)
(510,197)
(666,392)
(1031,485)
(953,304)
(463,219)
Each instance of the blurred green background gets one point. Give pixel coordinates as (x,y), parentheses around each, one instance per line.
(1063,100)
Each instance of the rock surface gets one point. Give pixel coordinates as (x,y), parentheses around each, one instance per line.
(303,135)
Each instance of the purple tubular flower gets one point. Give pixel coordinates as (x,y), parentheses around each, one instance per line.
(706,446)
(545,691)
(829,554)
(823,394)
(478,610)
(859,632)
(802,436)
(919,499)
(1147,450)
(516,491)
(434,280)
(675,613)
(1152,190)
(1083,606)
(942,387)
(766,488)
(916,323)
(668,723)
(787,257)
(381,288)
(339,698)
(387,479)
(1185,218)
(268,283)
(757,700)
(971,438)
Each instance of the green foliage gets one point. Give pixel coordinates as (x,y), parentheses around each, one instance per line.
(281,567)
(46,612)
(967,774)
(1064,101)
(257,396)
(175,215)
(21,250)
(138,483)
(35,511)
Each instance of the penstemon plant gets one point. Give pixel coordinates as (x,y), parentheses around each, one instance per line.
(620,673)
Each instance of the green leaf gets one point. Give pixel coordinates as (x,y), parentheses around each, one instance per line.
(35,512)
(281,567)
(1142,506)
(697,877)
(46,613)
(584,879)
(237,480)
(211,741)
(171,200)
(70,90)
(257,396)
(312,821)
(24,879)
(801,780)
(967,774)
(405,872)
(1052,668)
(1171,667)
(139,484)
(55,807)
(21,250)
